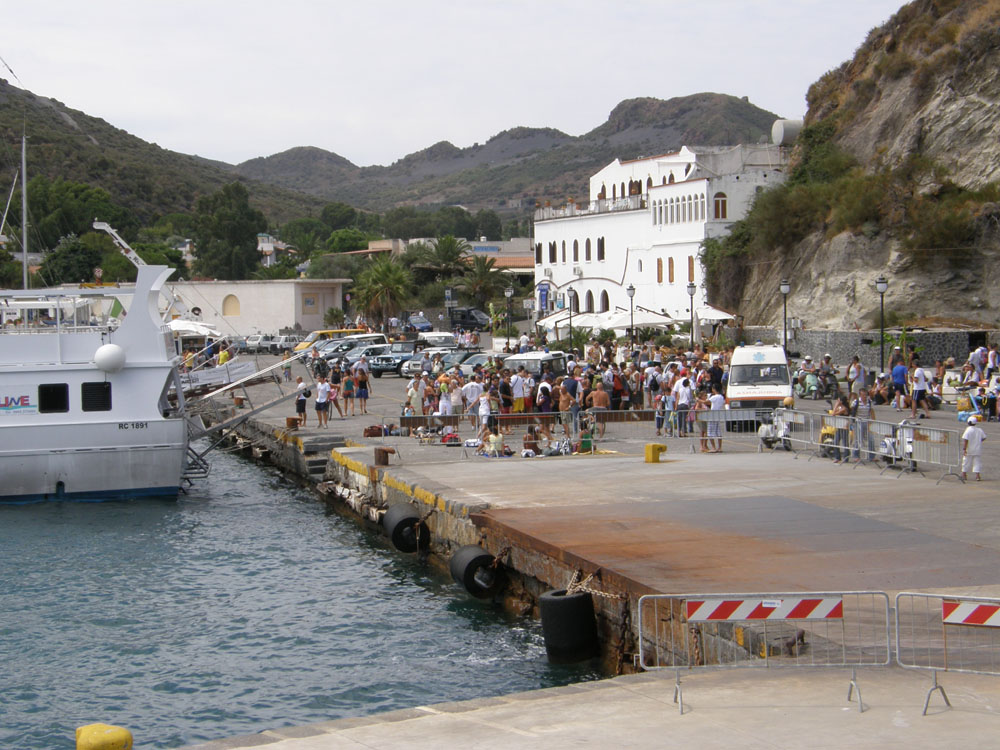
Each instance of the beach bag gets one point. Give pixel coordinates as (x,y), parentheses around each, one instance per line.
(964,403)
(451,438)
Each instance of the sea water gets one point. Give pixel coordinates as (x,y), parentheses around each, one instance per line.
(242,606)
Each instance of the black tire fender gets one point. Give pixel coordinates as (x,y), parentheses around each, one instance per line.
(473,568)
(568,626)
(404,528)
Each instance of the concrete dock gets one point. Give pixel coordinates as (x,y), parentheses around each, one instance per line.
(736,521)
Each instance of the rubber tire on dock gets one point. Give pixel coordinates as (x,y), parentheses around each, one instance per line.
(468,561)
(568,626)
(399,522)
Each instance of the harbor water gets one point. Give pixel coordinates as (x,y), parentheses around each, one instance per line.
(241,606)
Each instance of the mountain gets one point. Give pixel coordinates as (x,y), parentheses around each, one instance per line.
(149,180)
(517,166)
(897,173)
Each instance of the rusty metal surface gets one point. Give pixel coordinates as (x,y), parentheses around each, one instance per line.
(745,543)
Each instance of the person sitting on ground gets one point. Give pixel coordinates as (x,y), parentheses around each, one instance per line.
(880,391)
(530,440)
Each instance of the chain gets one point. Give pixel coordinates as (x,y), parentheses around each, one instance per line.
(500,556)
(419,524)
(577,585)
(625,635)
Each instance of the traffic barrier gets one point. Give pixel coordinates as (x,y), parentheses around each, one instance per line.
(846,629)
(944,633)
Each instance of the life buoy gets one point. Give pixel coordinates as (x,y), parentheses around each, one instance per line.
(404,528)
(568,626)
(474,568)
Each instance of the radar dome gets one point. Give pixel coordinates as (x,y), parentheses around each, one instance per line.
(110,358)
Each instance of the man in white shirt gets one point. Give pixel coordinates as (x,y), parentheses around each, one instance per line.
(522,343)
(972,449)
(918,389)
(471,392)
(517,390)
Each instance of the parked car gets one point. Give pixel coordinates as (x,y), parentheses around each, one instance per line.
(258,343)
(369,352)
(469,318)
(413,366)
(393,358)
(419,322)
(281,344)
(555,362)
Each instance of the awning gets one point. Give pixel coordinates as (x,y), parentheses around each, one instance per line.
(192,328)
(710,314)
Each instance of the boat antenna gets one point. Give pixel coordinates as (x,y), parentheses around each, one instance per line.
(24,185)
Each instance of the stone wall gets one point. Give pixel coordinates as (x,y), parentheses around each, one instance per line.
(842,345)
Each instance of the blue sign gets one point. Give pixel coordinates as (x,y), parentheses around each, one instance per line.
(543,297)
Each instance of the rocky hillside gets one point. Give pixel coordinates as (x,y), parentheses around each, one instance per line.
(520,165)
(148,180)
(897,173)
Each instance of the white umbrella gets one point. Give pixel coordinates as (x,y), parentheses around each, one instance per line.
(642,318)
(192,328)
(710,314)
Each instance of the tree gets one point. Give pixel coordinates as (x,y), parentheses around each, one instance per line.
(10,271)
(344,240)
(226,234)
(338,215)
(454,220)
(62,207)
(444,258)
(334,317)
(382,287)
(405,222)
(306,235)
(482,280)
(335,266)
(488,225)
(74,259)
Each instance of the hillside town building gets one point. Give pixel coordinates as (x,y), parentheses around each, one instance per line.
(644,225)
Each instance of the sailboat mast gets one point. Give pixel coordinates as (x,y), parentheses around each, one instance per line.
(24,211)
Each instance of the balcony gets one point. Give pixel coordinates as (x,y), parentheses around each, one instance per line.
(631,203)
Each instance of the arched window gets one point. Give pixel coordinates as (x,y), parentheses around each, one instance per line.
(690,268)
(655,207)
(574,302)
(659,270)
(576,251)
(649,183)
(664,180)
(538,252)
(614,192)
(605,302)
(230,305)
(586,250)
(600,248)
(589,302)
(552,252)
(720,205)
(640,266)
(624,194)
(673,210)
(564,251)
(670,270)
(672,180)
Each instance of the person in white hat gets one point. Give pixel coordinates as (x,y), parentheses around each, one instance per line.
(972,449)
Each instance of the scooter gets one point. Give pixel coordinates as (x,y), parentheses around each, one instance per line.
(810,388)
(775,432)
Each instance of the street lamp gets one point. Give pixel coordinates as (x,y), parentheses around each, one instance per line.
(508,293)
(784,287)
(631,313)
(881,285)
(691,290)
(571,294)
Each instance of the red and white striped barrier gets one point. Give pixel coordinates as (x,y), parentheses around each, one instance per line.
(785,608)
(970,613)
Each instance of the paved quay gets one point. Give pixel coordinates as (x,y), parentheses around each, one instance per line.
(736,521)
(722,709)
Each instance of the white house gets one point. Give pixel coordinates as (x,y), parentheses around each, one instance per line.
(644,225)
(248,307)
(272,249)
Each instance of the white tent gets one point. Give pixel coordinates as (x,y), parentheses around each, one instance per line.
(641,318)
(192,328)
(709,314)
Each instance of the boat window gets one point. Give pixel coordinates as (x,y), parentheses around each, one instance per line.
(53,398)
(95,396)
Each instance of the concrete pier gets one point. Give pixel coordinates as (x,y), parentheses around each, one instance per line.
(736,521)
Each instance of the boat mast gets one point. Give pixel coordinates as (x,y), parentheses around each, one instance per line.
(24,211)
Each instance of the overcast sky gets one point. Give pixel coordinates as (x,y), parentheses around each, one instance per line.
(376,80)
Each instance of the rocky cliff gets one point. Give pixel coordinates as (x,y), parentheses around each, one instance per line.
(901,178)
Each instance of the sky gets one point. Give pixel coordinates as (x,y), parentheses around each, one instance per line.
(376,80)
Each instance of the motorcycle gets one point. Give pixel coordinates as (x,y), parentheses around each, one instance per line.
(807,385)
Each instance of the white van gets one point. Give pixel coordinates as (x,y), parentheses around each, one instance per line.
(437,338)
(758,378)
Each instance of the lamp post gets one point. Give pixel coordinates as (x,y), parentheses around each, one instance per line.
(631,314)
(571,294)
(508,293)
(881,285)
(691,290)
(784,287)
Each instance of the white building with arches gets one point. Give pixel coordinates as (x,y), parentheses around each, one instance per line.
(644,225)
(247,307)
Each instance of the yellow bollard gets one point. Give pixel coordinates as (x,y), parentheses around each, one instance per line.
(653,451)
(103,737)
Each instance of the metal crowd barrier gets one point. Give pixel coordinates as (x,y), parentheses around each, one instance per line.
(845,629)
(907,445)
(944,633)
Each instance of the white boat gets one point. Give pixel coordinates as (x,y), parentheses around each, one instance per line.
(90,410)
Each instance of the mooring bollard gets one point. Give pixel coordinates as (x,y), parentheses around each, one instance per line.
(653,451)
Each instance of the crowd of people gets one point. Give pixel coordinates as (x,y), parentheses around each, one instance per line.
(346,388)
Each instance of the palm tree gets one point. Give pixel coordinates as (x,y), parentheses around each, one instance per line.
(482,279)
(382,287)
(446,257)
